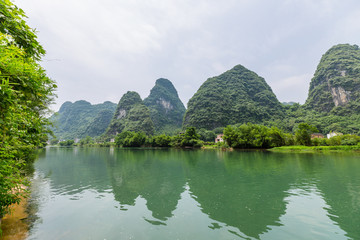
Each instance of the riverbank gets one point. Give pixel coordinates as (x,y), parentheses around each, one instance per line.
(310,149)
(13,225)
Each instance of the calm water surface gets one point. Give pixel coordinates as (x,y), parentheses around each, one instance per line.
(102,193)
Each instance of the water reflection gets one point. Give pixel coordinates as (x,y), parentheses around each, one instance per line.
(234,194)
(155,175)
(340,187)
(246,190)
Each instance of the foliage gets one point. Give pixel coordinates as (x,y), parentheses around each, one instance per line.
(67,143)
(207,135)
(160,141)
(130,139)
(25,93)
(131,115)
(54,141)
(303,134)
(188,139)
(253,136)
(166,109)
(87,141)
(12,23)
(81,119)
(344,140)
(338,70)
(236,96)
(310,149)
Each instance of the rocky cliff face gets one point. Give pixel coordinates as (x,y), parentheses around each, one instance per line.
(131,115)
(236,96)
(336,82)
(166,109)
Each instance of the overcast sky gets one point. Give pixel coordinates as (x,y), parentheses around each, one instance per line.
(99,50)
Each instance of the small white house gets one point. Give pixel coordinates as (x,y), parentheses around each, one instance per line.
(219,138)
(333,134)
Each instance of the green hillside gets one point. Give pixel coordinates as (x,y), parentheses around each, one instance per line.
(236,96)
(131,115)
(81,119)
(166,109)
(336,82)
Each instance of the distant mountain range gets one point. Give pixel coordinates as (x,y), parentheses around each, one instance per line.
(81,119)
(234,97)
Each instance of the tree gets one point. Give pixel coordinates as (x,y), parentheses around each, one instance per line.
(253,136)
(161,141)
(303,133)
(87,141)
(12,23)
(190,138)
(130,139)
(25,94)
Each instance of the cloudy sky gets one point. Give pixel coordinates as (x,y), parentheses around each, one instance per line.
(99,50)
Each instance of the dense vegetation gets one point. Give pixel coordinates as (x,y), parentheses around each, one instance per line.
(25,93)
(81,119)
(336,83)
(236,96)
(323,121)
(131,115)
(166,109)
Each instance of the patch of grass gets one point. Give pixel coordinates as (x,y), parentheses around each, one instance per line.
(307,149)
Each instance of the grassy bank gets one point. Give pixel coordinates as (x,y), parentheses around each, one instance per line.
(307,149)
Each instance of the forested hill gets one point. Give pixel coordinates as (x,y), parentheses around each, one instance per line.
(81,119)
(336,82)
(166,109)
(236,96)
(131,115)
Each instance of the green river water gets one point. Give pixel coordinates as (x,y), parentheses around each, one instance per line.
(106,193)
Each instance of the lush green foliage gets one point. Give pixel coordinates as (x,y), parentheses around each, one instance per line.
(207,135)
(166,109)
(325,122)
(131,115)
(188,139)
(236,96)
(130,139)
(338,70)
(25,93)
(87,141)
(81,119)
(160,141)
(311,149)
(340,140)
(13,24)
(67,143)
(303,134)
(139,139)
(255,136)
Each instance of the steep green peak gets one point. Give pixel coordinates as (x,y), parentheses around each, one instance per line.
(65,106)
(131,115)
(166,109)
(82,103)
(128,100)
(236,96)
(165,84)
(336,82)
(343,49)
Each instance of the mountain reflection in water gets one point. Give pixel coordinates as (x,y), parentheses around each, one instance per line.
(165,194)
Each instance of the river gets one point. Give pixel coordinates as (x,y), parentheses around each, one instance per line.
(107,193)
